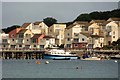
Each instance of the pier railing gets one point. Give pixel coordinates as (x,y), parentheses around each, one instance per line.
(36,49)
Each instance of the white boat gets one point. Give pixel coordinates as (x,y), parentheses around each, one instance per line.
(116,56)
(59,54)
(92,58)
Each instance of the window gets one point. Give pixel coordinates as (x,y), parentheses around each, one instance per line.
(34,45)
(20,35)
(68,34)
(76,34)
(4,40)
(12,46)
(113,36)
(42,46)
(33,40)
(28,35)
(4,46)
(47,39)
(86,28)
(83,45)
(12,39)
(68,45)
(109,42)
(20,40)
(68,39)
(76,39)
(83,39)
(76,45)
(20,45)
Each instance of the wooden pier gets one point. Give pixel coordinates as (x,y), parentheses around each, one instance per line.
(22,54)
(38,54)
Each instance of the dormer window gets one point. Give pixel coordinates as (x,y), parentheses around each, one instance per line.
(76,34)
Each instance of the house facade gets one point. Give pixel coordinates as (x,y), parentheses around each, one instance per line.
(13,38)
(40,28)
(57,31)
(114,30)
(73,37)
(4,40)
(96,38)
(24,39)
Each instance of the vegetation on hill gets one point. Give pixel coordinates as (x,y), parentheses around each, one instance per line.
(8,29)
(98,15)
(82,17)
(49,21)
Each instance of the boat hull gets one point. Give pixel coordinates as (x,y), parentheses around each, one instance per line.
(115,57)
(59,57)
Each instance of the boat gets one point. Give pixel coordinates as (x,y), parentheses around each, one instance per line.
(91,58)
(115,57)
(62,59)
(59,54)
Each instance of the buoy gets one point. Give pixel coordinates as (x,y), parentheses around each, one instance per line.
(37,62)
(115,60)
(77,67)
(46,62)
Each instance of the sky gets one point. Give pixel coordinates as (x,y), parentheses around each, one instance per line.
(17,13)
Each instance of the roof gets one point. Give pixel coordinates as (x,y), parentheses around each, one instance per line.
(85,33)
(25,25)
(97,21)
(81,22)
(70,26)
(36,35)
(37,23)
(48,37)
(114,19)
(106,22)
(22,30)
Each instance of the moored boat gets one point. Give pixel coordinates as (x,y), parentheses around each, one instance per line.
(115,57)
(92,58)
(59,54)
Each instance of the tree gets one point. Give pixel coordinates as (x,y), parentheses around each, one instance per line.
(83,17)
(49,21)
(7,30)
(98,15)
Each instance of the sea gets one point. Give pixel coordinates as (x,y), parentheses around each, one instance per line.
(60,69)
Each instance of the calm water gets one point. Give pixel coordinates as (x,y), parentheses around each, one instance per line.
(59,69)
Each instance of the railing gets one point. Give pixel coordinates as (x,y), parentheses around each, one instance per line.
(21,49)
(70,49)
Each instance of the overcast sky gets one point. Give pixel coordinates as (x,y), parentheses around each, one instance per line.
(21,12)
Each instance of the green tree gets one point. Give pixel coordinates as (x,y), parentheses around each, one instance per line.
(49,21)
(98,15)
(7,30)
(83,17)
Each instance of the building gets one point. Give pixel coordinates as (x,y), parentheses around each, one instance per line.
(40,28)
(4,40)
(113,29)
(57,31)
(36,27)
(96,38)
(13,38)
(23,39)
(47,42)
(73,36)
